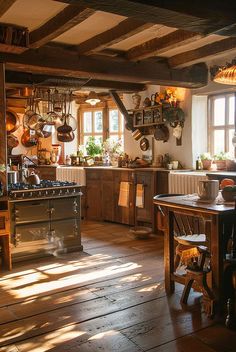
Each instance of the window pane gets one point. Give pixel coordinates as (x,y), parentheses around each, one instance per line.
(122,123)
(230,146)
(98,140)
(113,121)
(98,123)
(86,139)
(87,123)
(219,111)
(231,110)
(219,141)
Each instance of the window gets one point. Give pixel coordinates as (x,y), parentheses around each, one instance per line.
(101,123)
(221,123)
(92,125)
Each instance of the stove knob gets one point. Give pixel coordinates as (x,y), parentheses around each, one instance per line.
(46,193)
(40,193)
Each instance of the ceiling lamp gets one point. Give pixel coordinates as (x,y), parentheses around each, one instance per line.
(92,98)
(225,74)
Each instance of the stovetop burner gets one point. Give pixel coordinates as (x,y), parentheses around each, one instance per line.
(43,184)
(21,191)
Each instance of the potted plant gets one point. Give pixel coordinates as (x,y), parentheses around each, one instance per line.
(206,160)
(112,149)
(220,160)
(93,148)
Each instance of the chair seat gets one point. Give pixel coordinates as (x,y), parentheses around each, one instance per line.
(191,240)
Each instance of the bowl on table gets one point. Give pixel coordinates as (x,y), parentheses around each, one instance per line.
(228,196)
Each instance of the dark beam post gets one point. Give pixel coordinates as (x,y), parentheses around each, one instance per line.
(3,132)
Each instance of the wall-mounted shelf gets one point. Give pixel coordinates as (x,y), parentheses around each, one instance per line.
(149,116)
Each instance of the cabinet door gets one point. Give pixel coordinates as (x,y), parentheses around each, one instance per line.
(107,200)
(63,208)
(93,200)
(162,182)
(145,214)
(123,215)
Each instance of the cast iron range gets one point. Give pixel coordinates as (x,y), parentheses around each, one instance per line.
(46,189)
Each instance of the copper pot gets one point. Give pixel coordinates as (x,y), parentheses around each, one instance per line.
(27,140)
(12,121)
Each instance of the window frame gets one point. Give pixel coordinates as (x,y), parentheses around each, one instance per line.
(226,127)
(106,133)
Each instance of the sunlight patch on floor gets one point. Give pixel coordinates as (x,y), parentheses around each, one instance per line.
(52,340)
(150,288)
(104,334)
(32,288)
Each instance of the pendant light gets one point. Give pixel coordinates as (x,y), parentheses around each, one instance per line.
(92,98)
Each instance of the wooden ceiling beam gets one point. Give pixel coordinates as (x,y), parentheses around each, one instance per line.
(180,14)
(5,5)
(62,22)
(157,46)
(122,31)
(58,61)
(219,48)
(14,78)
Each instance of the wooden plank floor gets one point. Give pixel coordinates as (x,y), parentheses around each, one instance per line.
(109,298)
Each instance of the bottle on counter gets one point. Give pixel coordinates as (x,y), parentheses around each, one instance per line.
(198,163)
(68,160)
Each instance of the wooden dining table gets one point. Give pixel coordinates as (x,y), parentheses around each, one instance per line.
(220,218)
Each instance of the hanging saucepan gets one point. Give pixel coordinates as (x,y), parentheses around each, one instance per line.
(71,122)
(12,121)
(161,133)
(35,122)
(12,142)
(28,140)
(45,131)
(65,137)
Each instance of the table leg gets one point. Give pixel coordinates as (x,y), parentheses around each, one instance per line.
(169,253)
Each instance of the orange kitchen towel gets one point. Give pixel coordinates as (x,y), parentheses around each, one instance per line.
(124,195)
(139,195)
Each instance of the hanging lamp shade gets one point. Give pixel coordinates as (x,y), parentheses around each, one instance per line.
(226,76)
(92,98)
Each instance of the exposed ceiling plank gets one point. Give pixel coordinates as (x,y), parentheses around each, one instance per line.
(205,52)
(63,62)
(181,14)
(62,22)
(157,46)
(5,5)
(122,31)
(28,79)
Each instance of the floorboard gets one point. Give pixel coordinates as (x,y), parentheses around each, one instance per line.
(109,298)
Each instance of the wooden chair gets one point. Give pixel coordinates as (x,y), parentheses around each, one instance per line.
(191,254)
(5,239)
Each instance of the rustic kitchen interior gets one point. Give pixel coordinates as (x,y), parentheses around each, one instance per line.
(117,175)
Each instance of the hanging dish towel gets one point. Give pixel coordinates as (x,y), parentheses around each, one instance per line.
(124,195)
(139,195)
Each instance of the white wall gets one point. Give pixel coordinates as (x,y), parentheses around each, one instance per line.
(182,153)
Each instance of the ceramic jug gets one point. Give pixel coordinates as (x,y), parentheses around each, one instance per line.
(208,189)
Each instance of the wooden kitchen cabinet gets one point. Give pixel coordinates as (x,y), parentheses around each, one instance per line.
(145,215)
(93,195)
(102,195)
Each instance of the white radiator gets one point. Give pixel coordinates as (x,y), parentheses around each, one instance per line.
(184,183)
(71,174)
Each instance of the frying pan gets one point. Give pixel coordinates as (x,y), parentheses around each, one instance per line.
(27,140)
(12,142)
(12,121)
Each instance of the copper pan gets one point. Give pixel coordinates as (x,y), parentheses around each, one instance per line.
(12,121)
(28,140)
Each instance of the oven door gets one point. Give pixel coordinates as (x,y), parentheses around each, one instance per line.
(31,211)
(32,241)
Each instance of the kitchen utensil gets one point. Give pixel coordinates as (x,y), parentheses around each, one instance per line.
(12,142)
(144,144)
(12,121)
(161,133)
(208,189)
(33,179)
(137,134)
(65,136)
(12,176)
(28,140)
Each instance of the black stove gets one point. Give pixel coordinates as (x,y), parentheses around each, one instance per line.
(44,189)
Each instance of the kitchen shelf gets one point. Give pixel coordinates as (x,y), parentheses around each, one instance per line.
(149,116)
